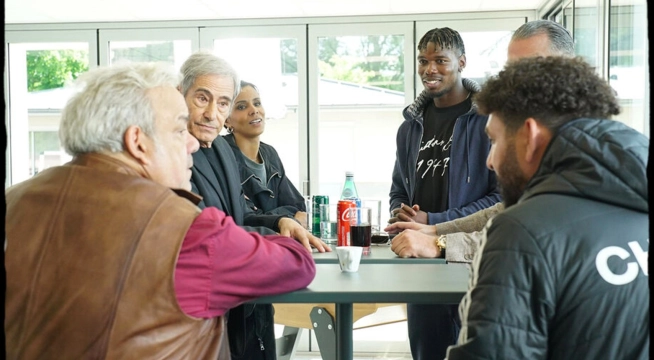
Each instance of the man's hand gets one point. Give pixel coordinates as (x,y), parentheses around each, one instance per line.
(289,227)
(408,213)
(401,225)
(412,243)
(301,216)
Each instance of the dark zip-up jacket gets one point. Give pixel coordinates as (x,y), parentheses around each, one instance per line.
(563,274)
(250,328)
(279,196)
(229,198)
(472,186)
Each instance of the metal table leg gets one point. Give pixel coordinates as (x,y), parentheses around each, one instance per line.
(287,344)
(324,328)
(344,342)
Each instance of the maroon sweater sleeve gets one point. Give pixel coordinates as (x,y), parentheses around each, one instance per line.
(221,265)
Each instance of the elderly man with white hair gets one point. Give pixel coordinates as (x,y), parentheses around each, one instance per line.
(100,252)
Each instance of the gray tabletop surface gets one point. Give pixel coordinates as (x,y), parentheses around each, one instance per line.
(382,283)
(379,254)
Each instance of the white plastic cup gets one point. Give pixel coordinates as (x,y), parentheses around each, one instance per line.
(349,257)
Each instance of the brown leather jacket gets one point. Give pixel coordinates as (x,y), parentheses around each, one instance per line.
(90,261)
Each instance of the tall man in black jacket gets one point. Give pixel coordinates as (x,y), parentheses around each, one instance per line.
(209,86)
(562,272)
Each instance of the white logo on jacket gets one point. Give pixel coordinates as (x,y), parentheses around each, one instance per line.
(601,262)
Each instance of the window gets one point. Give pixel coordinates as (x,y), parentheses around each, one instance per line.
(173,46)
(41,68)
(486,43)
(586,30)
(562,13)
(628,68)
(174,52)
(362,74)
(268,58)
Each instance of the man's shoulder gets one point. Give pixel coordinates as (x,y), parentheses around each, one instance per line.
(474,116)
(564,220)
(530,214)
(219,142)
(220,148)
(527,220)
(409,124)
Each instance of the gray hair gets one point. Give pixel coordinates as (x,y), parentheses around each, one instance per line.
(561,41)
(205,63)
(112,99)
(246,84)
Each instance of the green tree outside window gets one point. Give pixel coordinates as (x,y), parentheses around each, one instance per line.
(51,69)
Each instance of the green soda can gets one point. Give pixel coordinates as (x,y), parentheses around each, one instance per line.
(315,219)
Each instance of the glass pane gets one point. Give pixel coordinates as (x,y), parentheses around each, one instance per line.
(174,52)
(361,97)
(628,61)
(567,20)
(40,75)
(485,53)
(586,30)
(45,151)
(350,63)
(277,81)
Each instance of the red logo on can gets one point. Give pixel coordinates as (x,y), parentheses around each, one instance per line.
(344,221)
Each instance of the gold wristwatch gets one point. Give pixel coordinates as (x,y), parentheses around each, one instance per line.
(441,242)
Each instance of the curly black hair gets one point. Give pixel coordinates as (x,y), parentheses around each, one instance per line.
(445,37)
(553,90)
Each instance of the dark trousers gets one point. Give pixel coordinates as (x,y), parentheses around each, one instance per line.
(251,332)
(432,328)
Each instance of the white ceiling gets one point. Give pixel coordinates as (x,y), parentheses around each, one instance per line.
(61,11)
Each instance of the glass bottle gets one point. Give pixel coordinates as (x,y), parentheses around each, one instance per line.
(349,189)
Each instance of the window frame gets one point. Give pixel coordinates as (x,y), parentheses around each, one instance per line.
(17,108)
(209,34)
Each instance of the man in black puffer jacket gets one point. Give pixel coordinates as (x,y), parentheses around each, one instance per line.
(562,272)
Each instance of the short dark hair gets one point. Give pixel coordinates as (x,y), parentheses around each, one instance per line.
(553,90)
(561,41)
(245,83)
(445,37)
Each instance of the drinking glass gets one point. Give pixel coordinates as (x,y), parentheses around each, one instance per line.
(375,207)
(328,224)
(309,205)
(361,228)
(378,236)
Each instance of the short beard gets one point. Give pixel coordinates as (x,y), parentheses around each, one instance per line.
(440,93)
(513,181)
(436,95)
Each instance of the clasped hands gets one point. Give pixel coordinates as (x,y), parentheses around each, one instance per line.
(416,238)
(408,213)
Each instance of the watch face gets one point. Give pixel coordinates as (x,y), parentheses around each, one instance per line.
(441,241)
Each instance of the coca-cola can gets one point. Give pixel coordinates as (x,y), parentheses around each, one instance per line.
(344,221)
